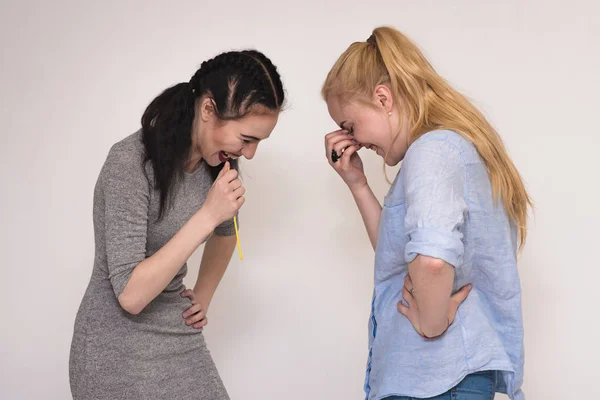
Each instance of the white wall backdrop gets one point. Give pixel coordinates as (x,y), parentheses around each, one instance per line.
(289,322)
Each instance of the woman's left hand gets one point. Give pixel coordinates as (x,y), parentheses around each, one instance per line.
(195,315)
(412,311)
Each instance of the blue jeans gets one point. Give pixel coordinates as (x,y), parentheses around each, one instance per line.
(477,386)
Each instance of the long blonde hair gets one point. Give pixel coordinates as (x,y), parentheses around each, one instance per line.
(389,58)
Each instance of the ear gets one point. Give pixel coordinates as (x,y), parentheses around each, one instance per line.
(384,98)
(207,109)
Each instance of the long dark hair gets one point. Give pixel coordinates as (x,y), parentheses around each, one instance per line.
(236,81)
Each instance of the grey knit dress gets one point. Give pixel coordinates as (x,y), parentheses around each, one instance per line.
(153,355)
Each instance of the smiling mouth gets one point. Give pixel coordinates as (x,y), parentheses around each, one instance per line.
(224,156)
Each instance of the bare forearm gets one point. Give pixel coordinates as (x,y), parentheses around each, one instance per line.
(370,210)
(432,281)
(151,276)
(216,257)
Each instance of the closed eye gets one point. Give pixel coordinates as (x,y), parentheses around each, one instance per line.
(249,139)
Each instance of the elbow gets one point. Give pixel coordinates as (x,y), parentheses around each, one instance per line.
(434,266)
(130,304)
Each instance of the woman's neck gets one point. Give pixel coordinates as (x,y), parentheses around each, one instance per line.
(195,155)
(193,160)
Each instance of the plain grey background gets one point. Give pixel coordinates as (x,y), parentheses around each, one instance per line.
(290,321)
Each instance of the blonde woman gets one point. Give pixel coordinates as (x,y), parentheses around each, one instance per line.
(446,313)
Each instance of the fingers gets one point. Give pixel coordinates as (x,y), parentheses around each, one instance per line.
(456,299)
(408,282)
(231,186)
(239,192)
(194,315)
(334,138)
(189,294)
(240,202)
(334,134)
(238,196)
(340,146)
(195,308)
(330,134)
(202,323)
(462,294)
(402,309)
(194,318)
(348,151)
(230,176)
(408,285)
(226,167)
(236,183)
(226,176)
(345,159)
(408,297)
(411,312)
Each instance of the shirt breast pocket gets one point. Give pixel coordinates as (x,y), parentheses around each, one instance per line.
(391,241)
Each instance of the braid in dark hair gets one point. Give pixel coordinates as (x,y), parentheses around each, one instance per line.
(236,81)
(271,74)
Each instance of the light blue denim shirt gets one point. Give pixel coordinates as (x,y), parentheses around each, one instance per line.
(441,205)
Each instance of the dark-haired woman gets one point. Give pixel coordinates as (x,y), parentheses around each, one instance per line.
(161,193)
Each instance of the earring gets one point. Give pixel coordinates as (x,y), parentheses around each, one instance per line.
(390,113)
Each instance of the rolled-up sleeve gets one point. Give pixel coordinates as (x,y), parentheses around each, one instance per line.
(435,188)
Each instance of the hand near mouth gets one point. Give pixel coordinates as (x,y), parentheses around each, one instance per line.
(226,196)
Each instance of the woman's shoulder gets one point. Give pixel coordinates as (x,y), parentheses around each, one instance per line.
(445,143)
(127,156)
(128,147)
(448,136)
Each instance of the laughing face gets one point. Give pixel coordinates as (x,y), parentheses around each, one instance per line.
(217,141)
(374,123)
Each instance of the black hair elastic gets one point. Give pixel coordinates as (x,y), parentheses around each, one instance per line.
(334,156)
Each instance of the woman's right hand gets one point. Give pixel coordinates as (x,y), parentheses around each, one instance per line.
(349,166)
(226,196)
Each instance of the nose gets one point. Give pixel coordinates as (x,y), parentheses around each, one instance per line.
(249,150)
